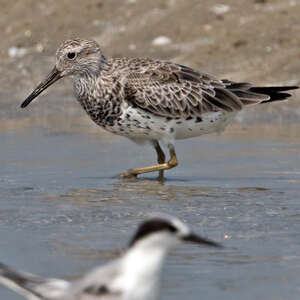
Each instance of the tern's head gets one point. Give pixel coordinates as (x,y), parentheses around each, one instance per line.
(72,57)
(166,232)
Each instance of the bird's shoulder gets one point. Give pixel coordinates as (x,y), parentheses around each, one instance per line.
(140,69)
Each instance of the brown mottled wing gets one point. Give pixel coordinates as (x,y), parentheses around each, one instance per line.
(173,90)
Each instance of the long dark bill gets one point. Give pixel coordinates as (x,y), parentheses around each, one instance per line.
(193,238)
(53,76)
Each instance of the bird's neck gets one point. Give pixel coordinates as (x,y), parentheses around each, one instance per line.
(88,83)
(96,91)
(93,67)
(147,261)
(141,270)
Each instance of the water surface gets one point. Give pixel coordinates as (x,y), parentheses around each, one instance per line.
(62,211)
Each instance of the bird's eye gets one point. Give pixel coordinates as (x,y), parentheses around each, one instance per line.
(71,55)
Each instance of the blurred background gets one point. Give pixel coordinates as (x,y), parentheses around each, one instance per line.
(245,40)
(61,210)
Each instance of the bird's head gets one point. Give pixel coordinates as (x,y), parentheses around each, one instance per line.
(73,57)
(167,232)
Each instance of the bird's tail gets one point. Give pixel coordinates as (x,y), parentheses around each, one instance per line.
(248,94)
(31,286)
(276,93)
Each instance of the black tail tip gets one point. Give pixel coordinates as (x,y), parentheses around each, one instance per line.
(276,93)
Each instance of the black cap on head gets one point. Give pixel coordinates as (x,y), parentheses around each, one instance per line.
(151,226)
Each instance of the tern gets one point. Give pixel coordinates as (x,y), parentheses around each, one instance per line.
(134,276)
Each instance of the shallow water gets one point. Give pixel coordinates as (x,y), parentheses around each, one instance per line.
(62,212)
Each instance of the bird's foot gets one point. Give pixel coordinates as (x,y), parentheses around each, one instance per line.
(128,174)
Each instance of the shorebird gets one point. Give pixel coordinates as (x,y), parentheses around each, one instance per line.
(149,100)
(134,276)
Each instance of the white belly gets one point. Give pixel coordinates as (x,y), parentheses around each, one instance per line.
(141,126)
(211,122)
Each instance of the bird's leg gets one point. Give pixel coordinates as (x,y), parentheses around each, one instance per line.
(161,158)
(173,162)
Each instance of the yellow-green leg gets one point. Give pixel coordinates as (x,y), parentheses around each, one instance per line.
(160,167)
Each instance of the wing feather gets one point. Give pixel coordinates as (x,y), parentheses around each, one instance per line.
(32,286)
(173,90)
